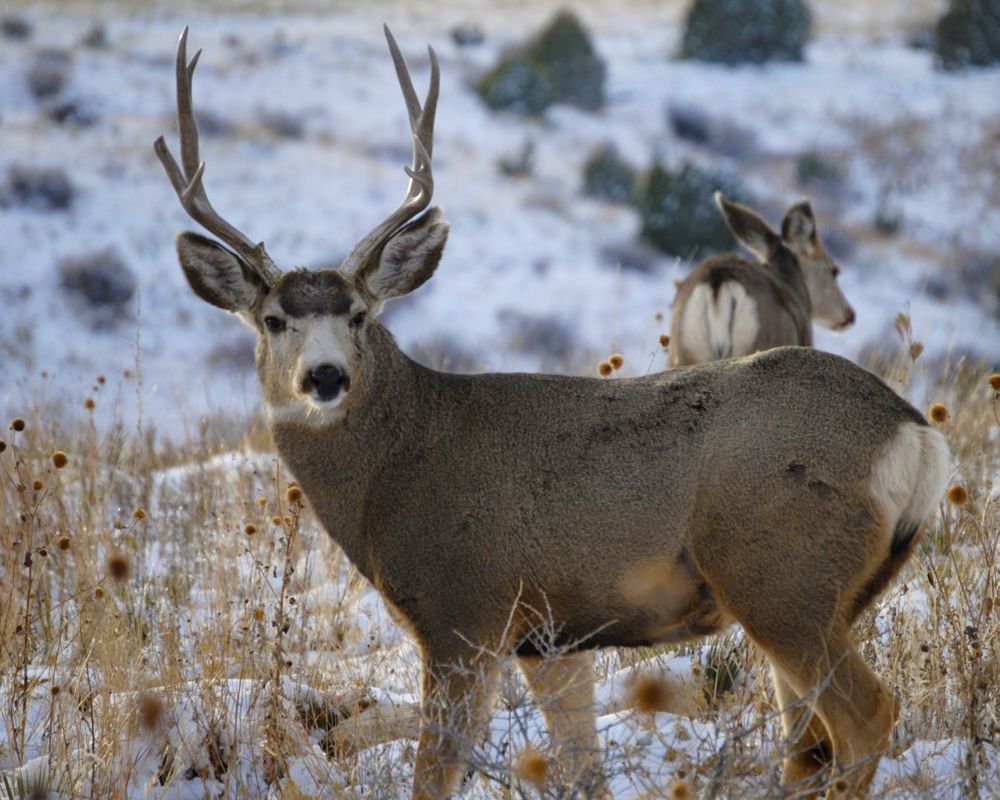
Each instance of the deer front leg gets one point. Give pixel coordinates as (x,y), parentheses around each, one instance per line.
(563,687)
(454,703)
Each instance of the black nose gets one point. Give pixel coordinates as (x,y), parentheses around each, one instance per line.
(850,318)
(326,380)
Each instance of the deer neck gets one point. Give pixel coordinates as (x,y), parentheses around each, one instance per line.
(337,465)
(787,266)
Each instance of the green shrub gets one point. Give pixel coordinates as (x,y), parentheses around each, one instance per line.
(678,212)
(559,65)
(746,31)
(608,176)
(968,34)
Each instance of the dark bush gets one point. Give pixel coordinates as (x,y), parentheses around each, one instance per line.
(547,337)
(282,125)
(716,133)
(608,176)
(519,164)
(99,281)
(746,31)
(812,167)
(559,65)
(13,27)
(96,37)
(467,35)
(968,34)
(678,212)
(71,112)
(43,189)
(48,73)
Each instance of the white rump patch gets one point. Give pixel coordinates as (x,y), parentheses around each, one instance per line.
(723,326)
(909,478)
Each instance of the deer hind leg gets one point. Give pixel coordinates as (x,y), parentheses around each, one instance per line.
(563,687)
(809,751)
(849,700)
(455,701)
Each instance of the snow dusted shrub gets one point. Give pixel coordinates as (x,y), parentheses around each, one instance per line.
(41,188)
(282,125)
(100,281)
(14,27)
(678,213)
(746,31)
(559,65)
(968,34)
(48,73)
(608,176)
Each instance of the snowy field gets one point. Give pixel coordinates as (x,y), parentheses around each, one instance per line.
(305,149)
(305,145)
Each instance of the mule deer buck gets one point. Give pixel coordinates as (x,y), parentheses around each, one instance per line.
(730,306)
(781,491)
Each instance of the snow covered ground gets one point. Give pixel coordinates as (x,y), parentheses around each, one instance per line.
(531,277)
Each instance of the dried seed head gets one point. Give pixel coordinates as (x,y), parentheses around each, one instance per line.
(119,566)
(17,424)
(258,614)
(249,529)
(3,445)
(680,790)
(98,593)
(652,693)
(532,767)
(664,341)
(605,369)
(43,552)
(64,543)
(54,689)
(37,485)
(139,514)
(276,520)
(957,495)
(658,316)
(262,501)
(903,323)
(59,459)
(915,350)
(938,412)
(994,380)
(150,711)
(89,404)
(294,494)
(616,361)
(840,786)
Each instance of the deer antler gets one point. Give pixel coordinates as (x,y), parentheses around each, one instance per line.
(363,256)
(189,183)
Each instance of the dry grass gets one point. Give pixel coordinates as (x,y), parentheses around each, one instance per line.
(175,605)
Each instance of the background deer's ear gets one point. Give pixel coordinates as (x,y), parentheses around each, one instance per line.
(748,227)
(798,228)
(410,257)
(216,274)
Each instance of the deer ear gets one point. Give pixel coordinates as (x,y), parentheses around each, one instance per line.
(749,229)
(410,257)
(798,228)
(216,274)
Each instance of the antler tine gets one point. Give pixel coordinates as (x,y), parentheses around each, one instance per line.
(188,184)
(421,185)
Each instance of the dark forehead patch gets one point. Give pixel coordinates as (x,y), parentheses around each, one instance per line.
(304,293)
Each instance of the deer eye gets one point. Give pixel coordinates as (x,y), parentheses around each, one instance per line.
(358,319)
(835,271)
(274,324)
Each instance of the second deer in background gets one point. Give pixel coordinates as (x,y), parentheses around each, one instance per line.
(731,306)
